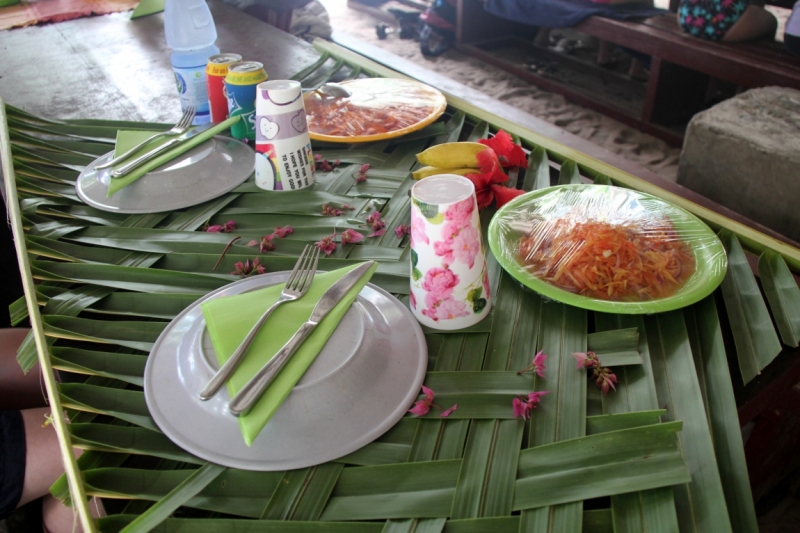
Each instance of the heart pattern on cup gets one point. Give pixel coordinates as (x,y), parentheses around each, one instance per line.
(268,128)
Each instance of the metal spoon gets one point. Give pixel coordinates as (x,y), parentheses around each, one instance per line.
(330,90)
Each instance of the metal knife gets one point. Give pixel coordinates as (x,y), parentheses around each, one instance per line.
(254,388)
(127,167)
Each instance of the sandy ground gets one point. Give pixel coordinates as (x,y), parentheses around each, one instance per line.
(644,149)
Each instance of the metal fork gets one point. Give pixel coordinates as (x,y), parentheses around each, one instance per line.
(180,127)
(296,286)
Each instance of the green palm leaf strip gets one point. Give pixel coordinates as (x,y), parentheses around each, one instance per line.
(783,296)
(561,414)
(713,374)
(701,504)
(537,175)
(757,343)
(569,173)
(639,458)
(616,347)
(181,494)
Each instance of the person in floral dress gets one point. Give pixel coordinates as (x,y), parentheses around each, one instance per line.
(726,20)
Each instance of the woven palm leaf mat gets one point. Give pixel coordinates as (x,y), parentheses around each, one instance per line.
(641,458)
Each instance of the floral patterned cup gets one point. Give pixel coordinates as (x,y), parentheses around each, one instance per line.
(449,280)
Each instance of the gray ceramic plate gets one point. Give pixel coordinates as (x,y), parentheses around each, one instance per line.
(363,381)
(203,173)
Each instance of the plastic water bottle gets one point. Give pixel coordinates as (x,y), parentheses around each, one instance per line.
(190,32)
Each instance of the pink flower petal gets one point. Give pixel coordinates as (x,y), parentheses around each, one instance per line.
(447,412)
(420,408)
(428,393)
(580,359)
(282,232)
(351,235)
(536,397)
(538,363)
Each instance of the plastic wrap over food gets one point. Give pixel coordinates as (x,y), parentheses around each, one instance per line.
(377,109)
(607,249)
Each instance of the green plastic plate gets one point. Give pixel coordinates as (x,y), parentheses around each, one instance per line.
(612,203)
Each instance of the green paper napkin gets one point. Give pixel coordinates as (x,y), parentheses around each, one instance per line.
(148,7)
(128,139)
(229,319)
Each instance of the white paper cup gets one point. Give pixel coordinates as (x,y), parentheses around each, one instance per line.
(449,280)
(284,161)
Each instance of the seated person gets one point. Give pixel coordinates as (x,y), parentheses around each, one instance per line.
(791,36)
(30,456)
(309,19)
(727,20)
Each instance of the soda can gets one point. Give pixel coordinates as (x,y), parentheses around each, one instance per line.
(284,161)
(240,84)
(216,69)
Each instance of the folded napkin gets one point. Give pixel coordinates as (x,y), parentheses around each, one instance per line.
(128,139)
(229,319)
(148,7)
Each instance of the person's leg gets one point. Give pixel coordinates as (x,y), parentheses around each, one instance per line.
(754,23)
(43,466)
(18,390)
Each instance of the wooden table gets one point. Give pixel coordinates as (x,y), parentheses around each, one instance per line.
(500,346)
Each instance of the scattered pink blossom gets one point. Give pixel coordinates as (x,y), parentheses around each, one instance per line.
(348,207)
(247,268)
(228,227)
(361,175)
(323,164)
(447,412)
(282,231)
(377,224)
(402,230)
(266,244)
(421,407)
(537,365)
(331,211)
(327,244)
(524,405)
(351,235)
(584,360)
(603,377)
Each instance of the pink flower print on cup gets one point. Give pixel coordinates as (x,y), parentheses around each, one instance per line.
(440,281)
(446,309)
(447,255)
(444,249)
(486,289)
(460,213)
(466,245)
(418,230)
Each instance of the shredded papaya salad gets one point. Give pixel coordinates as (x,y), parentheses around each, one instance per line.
(609,261)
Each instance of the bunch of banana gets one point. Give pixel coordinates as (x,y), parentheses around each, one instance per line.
(449,158)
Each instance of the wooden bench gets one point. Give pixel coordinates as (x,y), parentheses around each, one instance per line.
(681,66)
